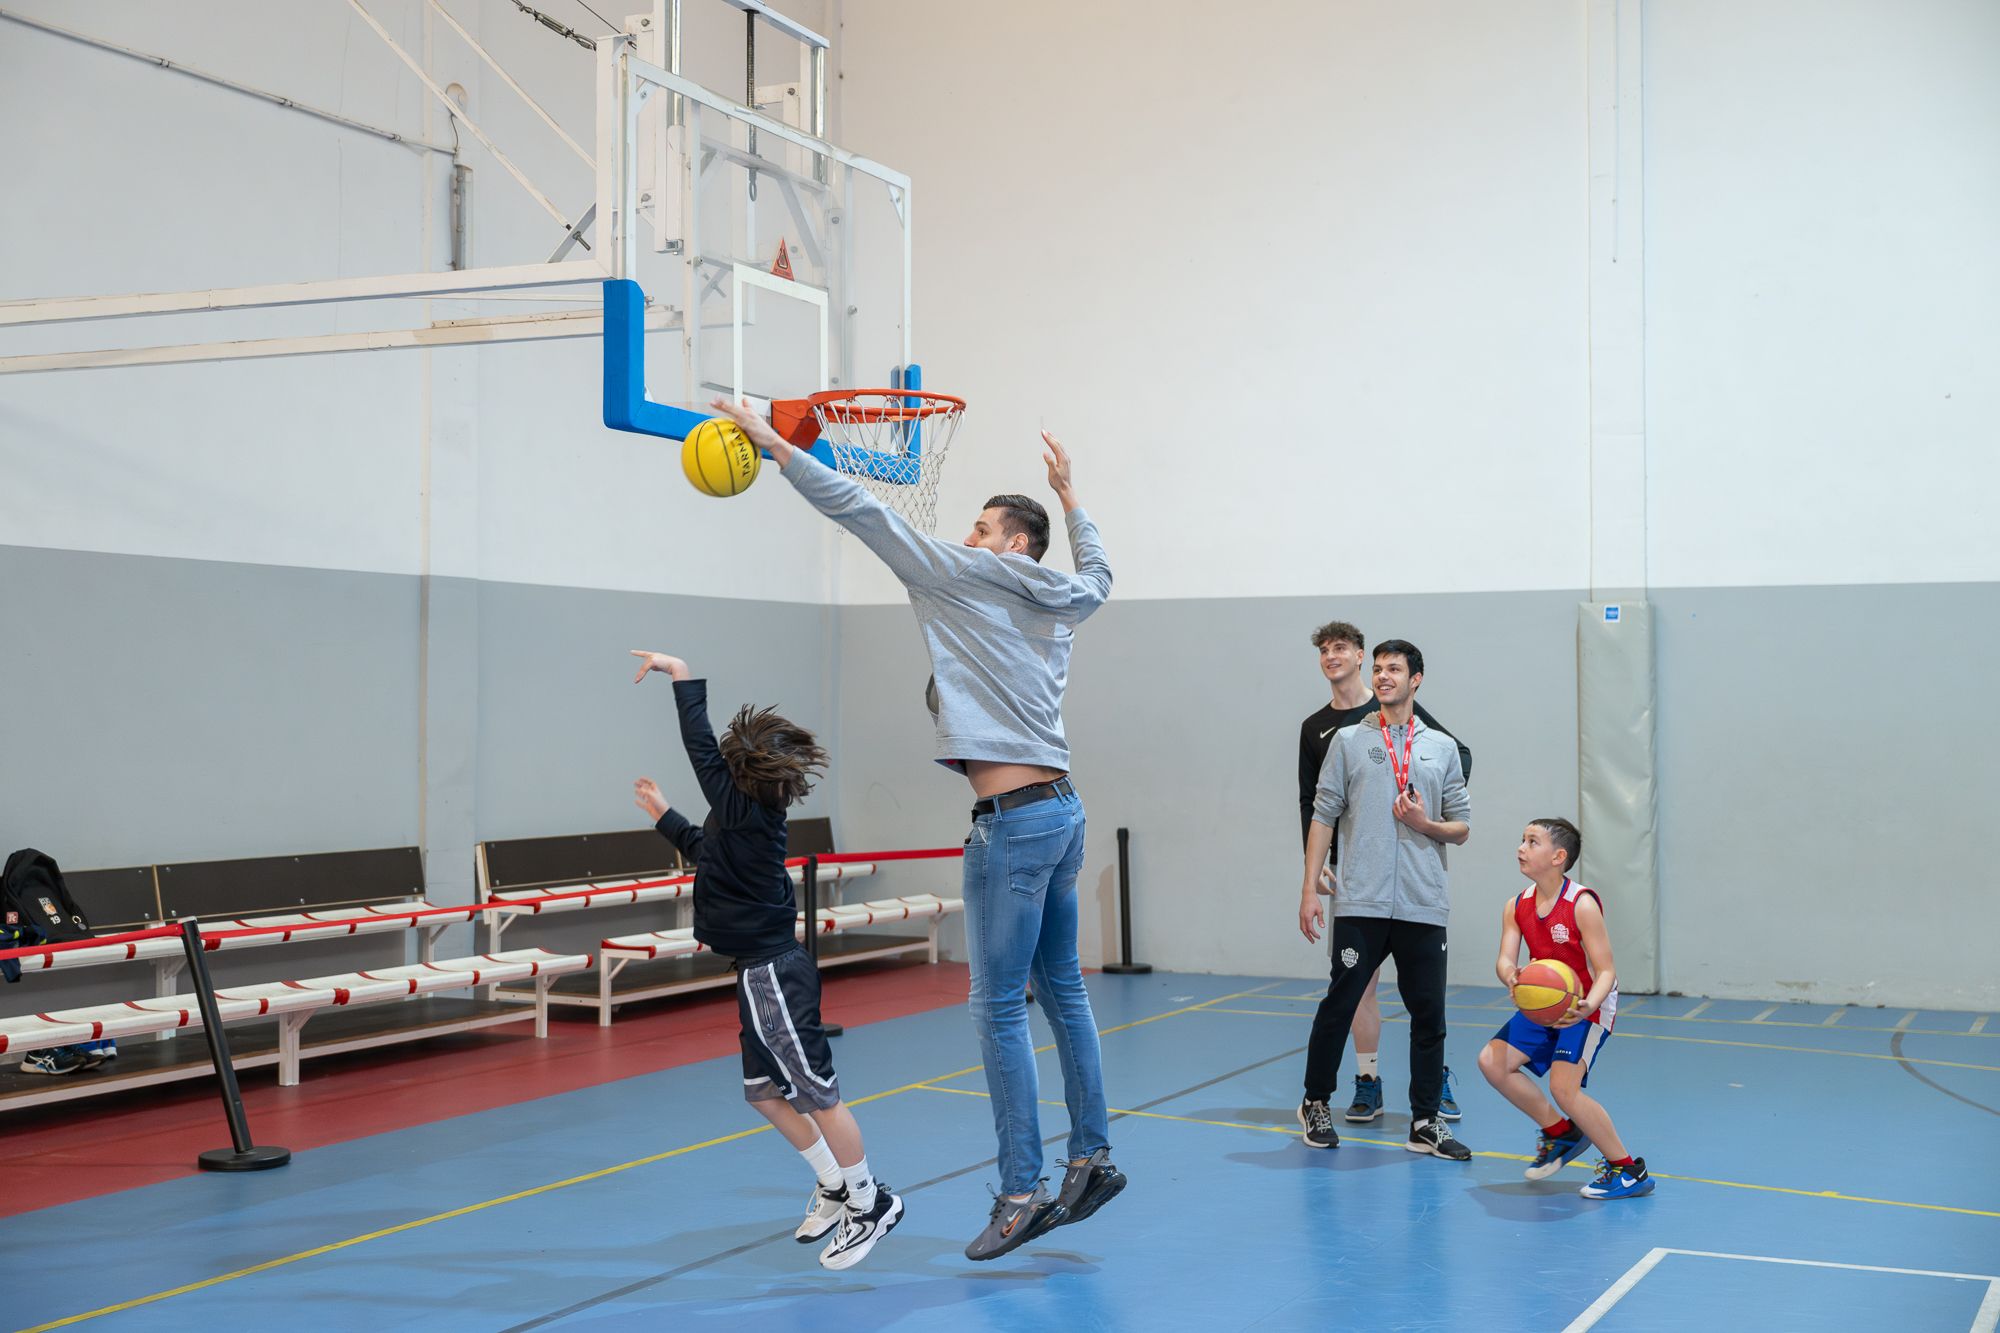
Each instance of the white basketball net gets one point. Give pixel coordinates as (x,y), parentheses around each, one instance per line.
(894,443)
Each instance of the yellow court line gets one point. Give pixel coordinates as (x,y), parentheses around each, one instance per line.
(1698,1041)
(1521,1157)
(1978,1028)
(600,1174)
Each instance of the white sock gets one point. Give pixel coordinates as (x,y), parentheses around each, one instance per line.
(1367,1061)
(820,1158)
(860,1186)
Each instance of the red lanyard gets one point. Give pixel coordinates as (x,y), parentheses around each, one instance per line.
(1409,740)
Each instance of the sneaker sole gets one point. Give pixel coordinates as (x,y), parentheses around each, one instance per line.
(1055,1217)
(1304,1131)
(1452,1117)
(849,1258)
(1428,1151)
(1544,1172)
(1095,1199)
(1646,1187)
(1354,1119)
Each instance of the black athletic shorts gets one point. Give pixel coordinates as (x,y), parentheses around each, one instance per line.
(784,1048)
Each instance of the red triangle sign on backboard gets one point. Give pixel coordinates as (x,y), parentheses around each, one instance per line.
(782,266)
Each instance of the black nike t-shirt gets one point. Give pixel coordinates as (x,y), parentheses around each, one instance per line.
(1316,734)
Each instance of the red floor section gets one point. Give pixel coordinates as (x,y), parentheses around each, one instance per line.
(79,1150)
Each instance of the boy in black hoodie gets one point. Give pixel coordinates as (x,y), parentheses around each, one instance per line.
(743,908)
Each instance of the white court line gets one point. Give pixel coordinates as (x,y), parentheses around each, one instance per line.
(1697,1009)
(1833,1018)
(1905,1021)
(1766,1014)
(1978,1024)
(1602,1305)
(1984,1321)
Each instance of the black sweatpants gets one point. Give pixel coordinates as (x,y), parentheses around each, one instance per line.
(1360,943)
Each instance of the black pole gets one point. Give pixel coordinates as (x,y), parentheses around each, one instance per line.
(810,885)
(245,1155)
(1125,967)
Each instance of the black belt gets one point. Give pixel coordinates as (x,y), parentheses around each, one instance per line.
(1020,796)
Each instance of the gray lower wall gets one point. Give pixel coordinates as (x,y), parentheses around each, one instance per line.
(163,710)
(1820,803)
(1818,814)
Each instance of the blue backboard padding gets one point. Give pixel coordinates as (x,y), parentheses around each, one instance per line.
(626,406)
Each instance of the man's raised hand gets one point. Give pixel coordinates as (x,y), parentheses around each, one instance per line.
(756,427)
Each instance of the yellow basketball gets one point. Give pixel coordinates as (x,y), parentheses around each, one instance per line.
(1545,989)
(719,458)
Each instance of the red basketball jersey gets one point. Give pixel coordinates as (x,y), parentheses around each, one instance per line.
(1556,936)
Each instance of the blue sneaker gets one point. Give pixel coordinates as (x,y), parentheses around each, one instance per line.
(1447,1104)
(1552,1153)
(1367,1100)
(1619,1182)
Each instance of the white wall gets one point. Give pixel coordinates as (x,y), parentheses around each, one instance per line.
(1823,291)
(146,180)
(1303,284)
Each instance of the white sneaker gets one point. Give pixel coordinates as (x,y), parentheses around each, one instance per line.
(823,1213)
(859,1231)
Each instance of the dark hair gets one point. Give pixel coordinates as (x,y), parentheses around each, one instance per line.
(1019,513)
(773,761)
(1412,655)
(1564,835)
(1338,631)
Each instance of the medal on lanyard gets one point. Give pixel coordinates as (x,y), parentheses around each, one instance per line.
(1409,740)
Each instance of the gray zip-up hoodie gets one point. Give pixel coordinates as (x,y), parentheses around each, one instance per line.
(1388,868)
(998,627)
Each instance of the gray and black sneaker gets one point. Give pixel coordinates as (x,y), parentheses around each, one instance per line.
(859,1231)
(1316,1119)
(1015,1222)
(1089,1185)
(1433,1136)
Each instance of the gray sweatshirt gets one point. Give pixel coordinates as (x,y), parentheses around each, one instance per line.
(1387,868)
(998,627)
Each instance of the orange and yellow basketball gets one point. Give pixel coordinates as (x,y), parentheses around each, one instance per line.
(719,458)
(1545,989)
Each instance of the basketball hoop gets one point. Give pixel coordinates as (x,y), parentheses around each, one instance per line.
(893,441)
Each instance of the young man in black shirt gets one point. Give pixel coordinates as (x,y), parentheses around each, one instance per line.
(743,908)
(1341,655)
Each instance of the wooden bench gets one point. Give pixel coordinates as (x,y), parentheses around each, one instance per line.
(541,877)
(306,901)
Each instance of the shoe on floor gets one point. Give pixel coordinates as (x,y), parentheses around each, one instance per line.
(823,1213)
(55,1060)
(1619,1182)
(1089,1185)
(860,1230)
(1015,1222)
(1448,1104)
(1434,1137)
(1316,1120)
(1367,1099)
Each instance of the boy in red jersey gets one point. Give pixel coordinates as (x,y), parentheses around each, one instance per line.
(1561,920)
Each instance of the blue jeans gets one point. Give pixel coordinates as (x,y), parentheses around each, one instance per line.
(1020,923)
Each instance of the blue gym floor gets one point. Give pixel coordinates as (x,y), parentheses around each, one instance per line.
(1860,1146)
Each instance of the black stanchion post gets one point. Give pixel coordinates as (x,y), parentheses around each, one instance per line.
(245,1155)
(1125,966)
(810,885)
